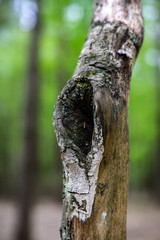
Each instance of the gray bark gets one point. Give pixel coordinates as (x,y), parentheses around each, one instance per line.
(91,124)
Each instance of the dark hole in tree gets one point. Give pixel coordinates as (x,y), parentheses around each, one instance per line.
(78,115)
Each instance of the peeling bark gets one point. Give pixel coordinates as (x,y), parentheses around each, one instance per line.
(91,125)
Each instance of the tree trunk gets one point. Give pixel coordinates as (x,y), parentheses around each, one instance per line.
(30,157)
(91,124)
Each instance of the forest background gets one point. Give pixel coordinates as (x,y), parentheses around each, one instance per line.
(62,31)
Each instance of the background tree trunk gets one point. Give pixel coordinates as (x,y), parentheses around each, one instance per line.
(30,157)
(91,124)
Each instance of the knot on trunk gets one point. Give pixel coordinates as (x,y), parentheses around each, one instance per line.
(79,129)
(77,110)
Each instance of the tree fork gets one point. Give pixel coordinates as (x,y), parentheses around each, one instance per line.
(91,125)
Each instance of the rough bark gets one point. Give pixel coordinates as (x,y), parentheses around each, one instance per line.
(30,155)
(91,124)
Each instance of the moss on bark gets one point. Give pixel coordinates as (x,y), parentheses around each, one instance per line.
(91,124)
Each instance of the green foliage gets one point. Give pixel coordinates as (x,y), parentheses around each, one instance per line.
(64,27)
(143,102)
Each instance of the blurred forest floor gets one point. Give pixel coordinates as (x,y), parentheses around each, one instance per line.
(143,219)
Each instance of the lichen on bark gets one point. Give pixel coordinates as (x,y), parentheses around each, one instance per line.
(80,138)
(91,124)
